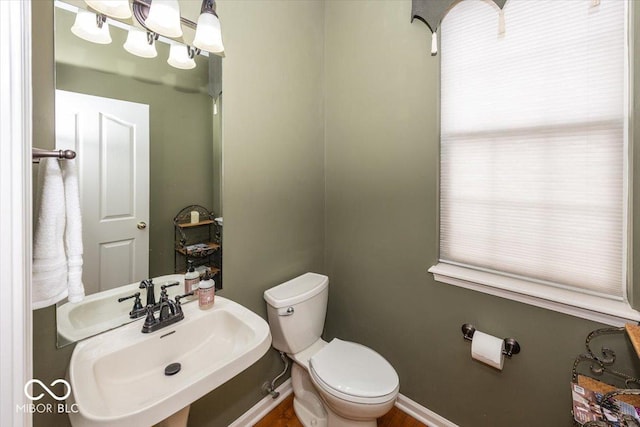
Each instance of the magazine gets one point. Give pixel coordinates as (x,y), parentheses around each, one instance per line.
(588,406)
(198,249)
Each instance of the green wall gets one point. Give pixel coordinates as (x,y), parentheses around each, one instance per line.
(382,143)
(181,143)
(180,151)
(273,182)
(273,175)
(330,134)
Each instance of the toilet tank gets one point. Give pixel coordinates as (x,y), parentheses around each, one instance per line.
(296,310)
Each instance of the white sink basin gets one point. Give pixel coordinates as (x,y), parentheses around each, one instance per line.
(118,378)
(101,311)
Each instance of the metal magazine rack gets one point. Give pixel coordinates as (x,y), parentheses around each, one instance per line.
(599,390)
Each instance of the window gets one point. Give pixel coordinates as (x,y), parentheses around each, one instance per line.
(533,153)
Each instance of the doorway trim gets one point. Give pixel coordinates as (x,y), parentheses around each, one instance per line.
(16,359)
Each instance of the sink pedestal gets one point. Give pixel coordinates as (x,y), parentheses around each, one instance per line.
(179,419)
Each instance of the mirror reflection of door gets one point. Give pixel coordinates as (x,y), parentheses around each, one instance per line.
(184,163)
(111,138)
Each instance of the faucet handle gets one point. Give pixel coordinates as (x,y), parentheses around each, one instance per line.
(137,309)
(165,286)
(179,297)
(179,304)
(136,296)
(163,294)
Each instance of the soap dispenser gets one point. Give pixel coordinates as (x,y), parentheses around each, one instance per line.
(191,279)
(206,293)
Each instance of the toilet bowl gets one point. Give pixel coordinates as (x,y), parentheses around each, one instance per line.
(335,384)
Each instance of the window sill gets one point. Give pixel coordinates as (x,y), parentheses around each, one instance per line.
(591,307)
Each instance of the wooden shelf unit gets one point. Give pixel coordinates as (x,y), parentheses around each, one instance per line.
(195,224)
(206,232)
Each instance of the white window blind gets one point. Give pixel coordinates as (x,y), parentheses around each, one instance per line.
(533,130)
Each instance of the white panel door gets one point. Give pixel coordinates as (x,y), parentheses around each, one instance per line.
(111,139)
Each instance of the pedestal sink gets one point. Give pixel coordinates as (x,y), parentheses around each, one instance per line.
(118,378)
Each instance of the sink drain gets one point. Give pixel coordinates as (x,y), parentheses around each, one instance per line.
(172,369)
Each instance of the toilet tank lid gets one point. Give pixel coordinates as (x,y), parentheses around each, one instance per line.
(296,290)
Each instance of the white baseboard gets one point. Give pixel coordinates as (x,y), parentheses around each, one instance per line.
(421,413)
(267,404)
(263,407)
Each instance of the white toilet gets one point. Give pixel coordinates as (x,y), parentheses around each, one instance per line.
(335,384)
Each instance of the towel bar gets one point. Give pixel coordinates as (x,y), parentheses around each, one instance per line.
(37,154)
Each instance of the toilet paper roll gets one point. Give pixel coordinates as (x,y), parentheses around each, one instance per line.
(487,349)
(195,217)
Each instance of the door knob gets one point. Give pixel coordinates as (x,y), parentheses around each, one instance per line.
(141,225)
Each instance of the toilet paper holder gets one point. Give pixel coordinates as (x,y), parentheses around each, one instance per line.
(511,346)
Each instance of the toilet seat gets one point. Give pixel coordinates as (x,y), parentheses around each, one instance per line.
(354,373)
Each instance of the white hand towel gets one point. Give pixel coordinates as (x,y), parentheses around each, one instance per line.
(73,231)
(49,283)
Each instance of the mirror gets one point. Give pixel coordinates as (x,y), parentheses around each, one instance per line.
(182,164)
